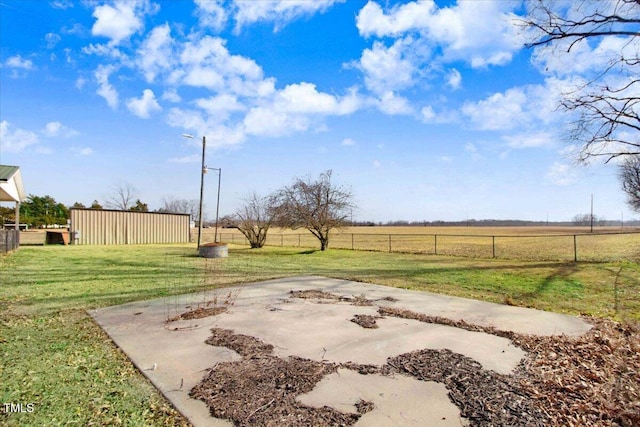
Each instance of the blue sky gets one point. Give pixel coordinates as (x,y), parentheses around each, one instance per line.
(425,110)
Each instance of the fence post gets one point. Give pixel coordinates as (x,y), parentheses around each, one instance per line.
(575,248)
(281,241)
(435,244)
(389,242)
(493,244)
(298,239)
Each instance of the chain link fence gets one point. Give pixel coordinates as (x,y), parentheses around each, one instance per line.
(593,247)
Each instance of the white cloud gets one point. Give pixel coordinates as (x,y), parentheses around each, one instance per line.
(207,63)
(268,122)
(561,174)
(480,32)
(387,68)
(171,95)
(196,123)
(187,119)
(527,107)
(212,14)
(470,148)
(304,98)
(105,89)
(280,12)
(57,129)
(372,20)
(531,140)
(15,140)
(348,142)
(297,108)
(215,14)
(17,63)
(156,52)
(145,105)
(80,82)
(499,111)
(427,114)
(122,20)
(393,104)
(52,40)
(376,164)
(61,4)
(218,104)
(454,79)
(82,151)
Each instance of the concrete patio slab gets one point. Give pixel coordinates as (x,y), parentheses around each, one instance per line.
(395,399)
(174,356)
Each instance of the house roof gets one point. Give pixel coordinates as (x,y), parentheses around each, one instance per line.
(11,189)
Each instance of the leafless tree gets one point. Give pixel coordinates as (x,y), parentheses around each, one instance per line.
(122,197)
(318,205)
(630,178)
(254,218)
(606,104)
(182,206)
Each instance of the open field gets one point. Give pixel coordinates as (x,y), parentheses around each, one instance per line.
(54,356)
(523,243)
(553,243)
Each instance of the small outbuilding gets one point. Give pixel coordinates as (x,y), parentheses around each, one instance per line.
(113,227)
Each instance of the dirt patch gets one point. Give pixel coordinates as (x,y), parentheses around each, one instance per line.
(590,380)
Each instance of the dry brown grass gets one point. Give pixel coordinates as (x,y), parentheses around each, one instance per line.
(525,243)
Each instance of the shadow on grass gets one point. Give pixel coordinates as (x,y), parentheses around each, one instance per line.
(561,274)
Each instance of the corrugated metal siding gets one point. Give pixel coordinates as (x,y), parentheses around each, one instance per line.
(108,227)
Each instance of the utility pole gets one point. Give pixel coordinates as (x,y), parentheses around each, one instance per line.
(202,172)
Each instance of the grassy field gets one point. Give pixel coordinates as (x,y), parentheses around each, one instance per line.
(53,356)
(551,243)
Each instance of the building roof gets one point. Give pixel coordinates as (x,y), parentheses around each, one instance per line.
(11,189)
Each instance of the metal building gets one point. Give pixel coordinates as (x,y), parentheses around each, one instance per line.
(11,190)
(112,227)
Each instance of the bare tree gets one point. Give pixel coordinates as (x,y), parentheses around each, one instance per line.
(630,177)
(317,205)
(182,206)
(254,218)
(606,103)
(122,197)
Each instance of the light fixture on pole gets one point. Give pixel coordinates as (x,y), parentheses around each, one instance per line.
(202,172)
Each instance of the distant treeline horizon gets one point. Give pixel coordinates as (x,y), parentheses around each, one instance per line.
(499,223)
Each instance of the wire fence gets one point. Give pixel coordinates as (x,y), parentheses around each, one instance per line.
(594,247)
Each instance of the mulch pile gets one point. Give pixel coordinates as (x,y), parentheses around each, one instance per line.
(260,389)
(590,380)
(198,313)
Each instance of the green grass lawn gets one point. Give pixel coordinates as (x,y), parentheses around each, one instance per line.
(53,356)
